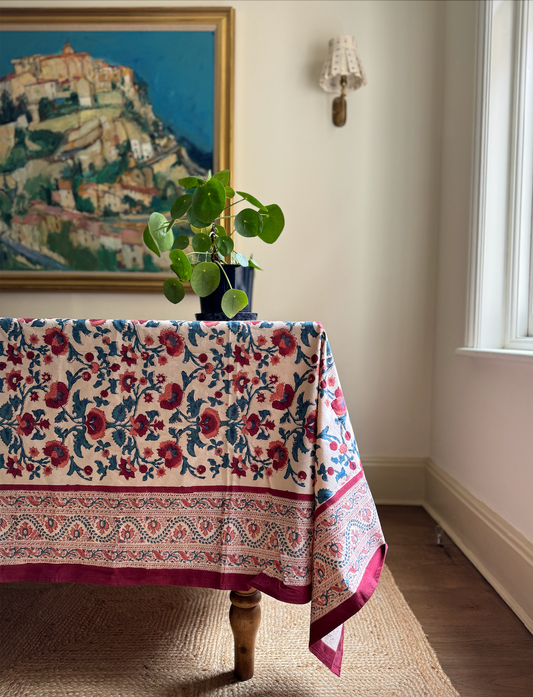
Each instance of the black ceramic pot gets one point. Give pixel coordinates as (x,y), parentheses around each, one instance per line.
(241,278)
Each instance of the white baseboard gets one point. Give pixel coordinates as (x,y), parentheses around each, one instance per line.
(497,550)
(396,480)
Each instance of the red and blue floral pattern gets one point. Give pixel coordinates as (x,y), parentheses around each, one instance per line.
(201,448)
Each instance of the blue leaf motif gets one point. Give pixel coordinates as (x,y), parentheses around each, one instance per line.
(119,436)
(6,435)
(323,495)
(119,412)
(233,412)
(6,412)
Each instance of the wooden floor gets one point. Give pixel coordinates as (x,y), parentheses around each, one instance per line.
(482,646)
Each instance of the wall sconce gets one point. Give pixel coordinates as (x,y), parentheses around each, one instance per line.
(342,71)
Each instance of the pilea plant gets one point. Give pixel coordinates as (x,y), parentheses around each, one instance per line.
(204,207)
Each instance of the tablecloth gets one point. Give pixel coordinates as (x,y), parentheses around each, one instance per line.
(209,454)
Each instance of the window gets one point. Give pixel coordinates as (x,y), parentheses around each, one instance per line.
(500,312)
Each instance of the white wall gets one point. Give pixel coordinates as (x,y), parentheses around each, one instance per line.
(482,411)
(361,202)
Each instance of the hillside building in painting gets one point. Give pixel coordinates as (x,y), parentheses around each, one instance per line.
(83,162)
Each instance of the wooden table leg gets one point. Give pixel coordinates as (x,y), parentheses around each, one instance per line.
(244,617)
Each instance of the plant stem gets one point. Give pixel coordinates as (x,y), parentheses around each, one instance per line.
(234,203)
(225,274)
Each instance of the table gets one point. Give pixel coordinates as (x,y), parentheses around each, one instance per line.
(208,454)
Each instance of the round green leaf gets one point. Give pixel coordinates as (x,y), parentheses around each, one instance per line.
(222,176)
(190,182)
(273,224)
(161,232)
(180,264)
(233,301)
(201,242)
(248,223)
(224,244)
(208,201)
(230,193)
(173,290)
(252,199)
(252,263)
(220,230)
(180,206)
(181,242)
(193,220)
(240,259)
(149,241)
(205,278)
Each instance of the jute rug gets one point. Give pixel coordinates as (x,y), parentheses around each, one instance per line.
(76,640)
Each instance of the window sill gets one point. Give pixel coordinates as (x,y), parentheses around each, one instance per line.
(498,354)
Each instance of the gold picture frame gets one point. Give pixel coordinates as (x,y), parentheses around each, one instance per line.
(220,21)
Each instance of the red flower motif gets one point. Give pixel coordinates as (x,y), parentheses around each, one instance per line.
(171,397)
(127,380)
(294,538)
(209,423)
(34,452)
(171,454)
(57,340)
(339,405)
(57,395)
(241,356)
(57,452)
(172,341)
(14,468)
(96,423)
(238,467)
(149,341)
(26,424)
(128,355)
(282,397)
(285,342)
(310,427)
(127,470)
(253,529)
(251,425)
(278,453)
(14,355)
(153,526)
(139,425)
(205,527)
(13,378)
(240,380)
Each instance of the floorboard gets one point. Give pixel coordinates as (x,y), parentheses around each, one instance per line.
(483,647)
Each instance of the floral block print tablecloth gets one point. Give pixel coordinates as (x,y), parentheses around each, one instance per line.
(214,454)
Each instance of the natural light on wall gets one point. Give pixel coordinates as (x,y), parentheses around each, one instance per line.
(500,310)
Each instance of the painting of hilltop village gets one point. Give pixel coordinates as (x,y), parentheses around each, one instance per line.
(96,129)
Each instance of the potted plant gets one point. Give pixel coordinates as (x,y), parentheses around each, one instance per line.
(212,261)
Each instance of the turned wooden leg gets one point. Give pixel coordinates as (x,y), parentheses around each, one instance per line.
(244,617)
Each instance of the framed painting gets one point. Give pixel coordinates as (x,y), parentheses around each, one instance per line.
(101,113)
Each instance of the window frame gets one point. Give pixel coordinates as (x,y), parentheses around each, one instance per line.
(500,287)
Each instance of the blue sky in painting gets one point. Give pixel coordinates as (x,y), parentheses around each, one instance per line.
(178,67)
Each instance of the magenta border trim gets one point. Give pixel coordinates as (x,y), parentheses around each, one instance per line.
(183,490)
(327,623)
(330,658)
(80,573)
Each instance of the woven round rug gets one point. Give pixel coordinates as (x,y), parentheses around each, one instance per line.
(78,640)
